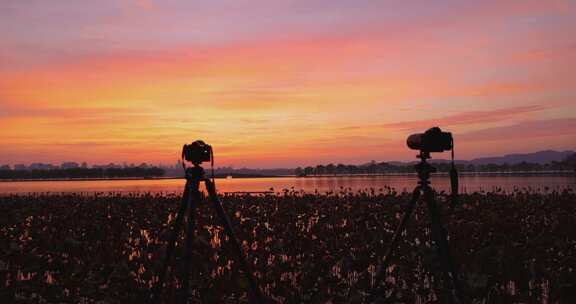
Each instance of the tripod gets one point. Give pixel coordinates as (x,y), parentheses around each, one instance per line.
(439,234)
(192,196)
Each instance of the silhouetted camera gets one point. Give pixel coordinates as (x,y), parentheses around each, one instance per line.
(433,140)
(197,152)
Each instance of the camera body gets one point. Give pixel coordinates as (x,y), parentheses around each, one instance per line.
(197,152)
(433,140)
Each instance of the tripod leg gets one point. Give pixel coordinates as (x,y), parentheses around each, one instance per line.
(235,244)
(409,210)
(440,236)
(171,243)
(193,201)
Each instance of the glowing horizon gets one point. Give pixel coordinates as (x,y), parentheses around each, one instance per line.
(283,84)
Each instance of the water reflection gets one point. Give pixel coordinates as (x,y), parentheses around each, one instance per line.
(309,184)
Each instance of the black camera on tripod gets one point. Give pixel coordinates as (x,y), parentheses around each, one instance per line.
(433,140)
(197,152)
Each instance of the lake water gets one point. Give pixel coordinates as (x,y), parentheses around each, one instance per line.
(308,184)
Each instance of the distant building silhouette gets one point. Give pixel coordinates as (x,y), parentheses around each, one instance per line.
(41,166)
(69,165)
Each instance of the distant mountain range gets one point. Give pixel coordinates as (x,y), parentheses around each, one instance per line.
(540,157)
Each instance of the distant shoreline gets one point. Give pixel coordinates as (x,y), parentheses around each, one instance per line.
(529,173)
(82,179)
(116,179)
(460,173)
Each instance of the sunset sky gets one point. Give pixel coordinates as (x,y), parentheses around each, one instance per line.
(283,83)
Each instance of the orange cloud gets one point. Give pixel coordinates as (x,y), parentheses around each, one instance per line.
(290,100)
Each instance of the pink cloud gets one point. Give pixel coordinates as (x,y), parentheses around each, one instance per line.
(525,130)
(463,118)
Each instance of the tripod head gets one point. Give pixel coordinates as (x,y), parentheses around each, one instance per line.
(424,169)
(196,173)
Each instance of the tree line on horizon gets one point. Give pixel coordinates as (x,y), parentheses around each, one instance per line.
(568,164)
(71,173)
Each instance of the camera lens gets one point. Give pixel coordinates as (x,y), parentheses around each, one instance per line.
(414,141)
